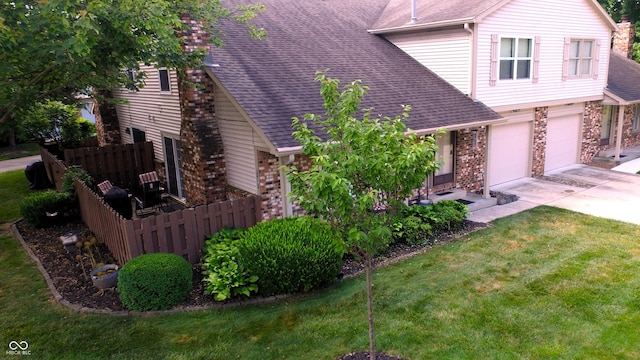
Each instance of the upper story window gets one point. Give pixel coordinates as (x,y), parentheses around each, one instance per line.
(581,58)
(515,58)
(163,75)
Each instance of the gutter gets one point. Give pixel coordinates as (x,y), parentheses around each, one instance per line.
(293,150)
(438,24)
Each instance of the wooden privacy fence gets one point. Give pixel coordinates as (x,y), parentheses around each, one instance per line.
(179,232)
(120,164)
(55,168)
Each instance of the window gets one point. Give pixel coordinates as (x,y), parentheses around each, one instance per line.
(174,169)
(636,118)
(130,84)
(581,58)
(609,114)
(138,135)
(163,75)
(515,58)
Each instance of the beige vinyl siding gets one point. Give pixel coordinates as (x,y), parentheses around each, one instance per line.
(447,53)
(239,140)
(153,111)
(552,21)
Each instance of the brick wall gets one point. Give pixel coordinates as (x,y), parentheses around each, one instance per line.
(470,159)
(539,140)
(201,149)
(270,189)
(107,123)
(592,125)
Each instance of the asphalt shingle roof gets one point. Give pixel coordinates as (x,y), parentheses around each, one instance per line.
(624,77)
(398,12)
(273,79)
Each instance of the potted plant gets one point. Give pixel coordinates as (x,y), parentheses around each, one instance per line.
(103,276)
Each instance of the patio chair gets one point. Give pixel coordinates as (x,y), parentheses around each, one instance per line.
(151,195)
(104,187)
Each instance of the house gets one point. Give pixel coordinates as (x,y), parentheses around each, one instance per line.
(541,64)
(621,105)
(233,136)
(515,84)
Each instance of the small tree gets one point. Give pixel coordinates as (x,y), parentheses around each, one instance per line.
(55,121)
(361,173)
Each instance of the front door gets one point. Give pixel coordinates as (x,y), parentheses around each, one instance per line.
(445,158)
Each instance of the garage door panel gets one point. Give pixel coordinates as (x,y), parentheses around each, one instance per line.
(563,139)
(509,154)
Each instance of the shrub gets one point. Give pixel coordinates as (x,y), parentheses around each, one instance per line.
(73,172)
(154,282)
(43,209)
(224,276)
(291,255)
(416,224)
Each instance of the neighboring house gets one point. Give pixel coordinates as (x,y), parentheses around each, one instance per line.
(541,66)
(621,106)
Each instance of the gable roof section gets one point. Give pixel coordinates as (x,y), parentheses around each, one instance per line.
(437,13)
(624,77)
(272,80)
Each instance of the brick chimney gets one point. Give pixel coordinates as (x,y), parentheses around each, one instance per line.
(201,148)
(623,38)
(107,124)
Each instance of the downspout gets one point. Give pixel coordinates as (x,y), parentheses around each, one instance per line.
(487,178)
(472,59)
(621,109)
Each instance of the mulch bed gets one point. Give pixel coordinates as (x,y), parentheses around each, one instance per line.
(66,272)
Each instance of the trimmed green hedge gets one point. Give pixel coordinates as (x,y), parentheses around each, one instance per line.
(291,255)
(154,282)
(44,209)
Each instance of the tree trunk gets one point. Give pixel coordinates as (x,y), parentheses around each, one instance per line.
(372,338)
(12,139)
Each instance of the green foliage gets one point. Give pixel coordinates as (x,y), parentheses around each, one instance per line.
(75,171)
(44,209)
(154,282)
(58,49)
(417,224)
(224,276)
(53,120)
(291,255)
(365,165)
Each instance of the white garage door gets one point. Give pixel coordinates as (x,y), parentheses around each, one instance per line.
(509,152)
(563,136)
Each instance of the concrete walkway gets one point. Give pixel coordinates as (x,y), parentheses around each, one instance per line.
(589,190)
(16,164)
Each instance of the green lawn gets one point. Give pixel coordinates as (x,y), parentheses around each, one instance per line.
(24,150)
(543,284)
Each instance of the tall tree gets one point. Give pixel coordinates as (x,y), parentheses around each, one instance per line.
(55,49)
(617,8)
(361,174)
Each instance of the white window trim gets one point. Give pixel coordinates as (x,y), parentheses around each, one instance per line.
(516,58)
(582,58)
(595,59)
(180,180)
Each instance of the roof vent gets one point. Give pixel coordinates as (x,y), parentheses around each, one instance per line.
(414,12)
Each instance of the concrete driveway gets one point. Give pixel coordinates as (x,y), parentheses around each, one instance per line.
(589,190)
